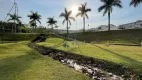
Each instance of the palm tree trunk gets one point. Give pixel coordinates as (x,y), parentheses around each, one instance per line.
(84,24)
(67,29)
(35,27)
(52,28)
(109,21)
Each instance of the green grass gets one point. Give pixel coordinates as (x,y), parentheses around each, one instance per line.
(132,37)
(129,56)
(19,62)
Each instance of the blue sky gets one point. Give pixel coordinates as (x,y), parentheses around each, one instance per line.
(50,8)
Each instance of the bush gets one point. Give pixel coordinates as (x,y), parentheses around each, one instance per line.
(17,37)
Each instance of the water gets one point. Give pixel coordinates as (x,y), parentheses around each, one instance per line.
(90,71)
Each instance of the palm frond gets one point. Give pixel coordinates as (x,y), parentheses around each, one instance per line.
(83,10)
(69,13)
(86,16)
(117,3)
(72,18)
(80,9)
(101,8)
(63,21)
(9,19)
(87,10)
(39,21)
(69,22)
(105,11)
(62,15)
(135,2)
(66,12)
(51,21)
(79,14)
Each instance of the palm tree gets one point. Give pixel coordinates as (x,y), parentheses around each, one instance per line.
(51,22)
(68,18)
(83,13)
(15,19)
(135,2)
(108,7)
(34,18)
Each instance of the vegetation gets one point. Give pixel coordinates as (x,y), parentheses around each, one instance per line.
(108,7)
(17,37)
(129,56)
(51,22)
(19,62)
(83,13)
(7,27)
(34,17)
(128,37)
(68,18)
(15,19)
(135,2)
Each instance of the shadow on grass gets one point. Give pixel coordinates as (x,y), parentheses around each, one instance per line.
(11,67)
(129,60)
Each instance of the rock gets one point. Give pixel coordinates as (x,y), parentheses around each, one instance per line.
(110,74)
(84,70)
(116,78)
(90,71)
(62,61)
(78,67)
(94,77)
(95,69)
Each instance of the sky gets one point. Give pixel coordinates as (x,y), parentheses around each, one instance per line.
(53,8)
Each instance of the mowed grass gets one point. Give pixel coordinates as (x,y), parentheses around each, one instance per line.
(129,56)
(19,62)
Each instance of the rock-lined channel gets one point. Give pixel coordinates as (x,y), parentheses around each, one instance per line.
(96,69)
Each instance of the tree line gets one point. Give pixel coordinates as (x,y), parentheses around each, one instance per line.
(106,7)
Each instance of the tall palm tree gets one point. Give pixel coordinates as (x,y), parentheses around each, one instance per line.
(51,22)
(68,18)
(15,19)
(34,18)
(135,2)
(108,7)
(83,13)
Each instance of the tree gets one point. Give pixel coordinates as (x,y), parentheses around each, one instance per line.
(108,7)
(83,13)
(135,2)
(51,22)
(15,19)
(68,18)
(34,18)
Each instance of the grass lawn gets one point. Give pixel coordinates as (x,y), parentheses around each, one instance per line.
(19,62)
(131,37)
(129,56)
